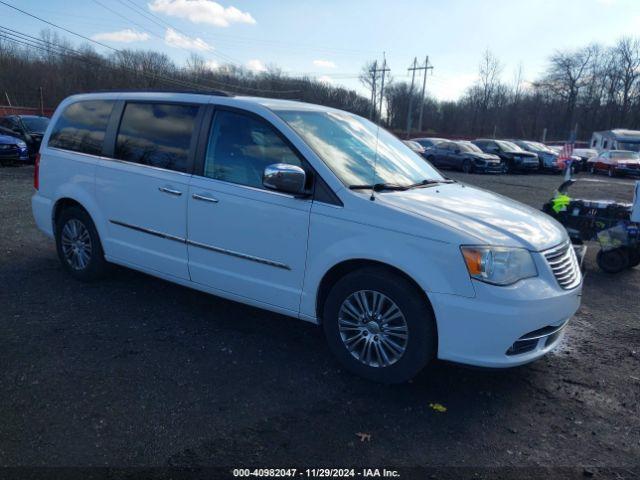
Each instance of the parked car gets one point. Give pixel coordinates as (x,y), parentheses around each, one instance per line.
(429,142)
(583,155)
(576,159)
(28,128)
(465,156)
(415,146)
(513,157)
(547,158)
(311,212)
(616,162)
(12,149)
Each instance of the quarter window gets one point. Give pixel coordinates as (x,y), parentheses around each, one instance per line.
(156,134)
(82,126)
(241,146)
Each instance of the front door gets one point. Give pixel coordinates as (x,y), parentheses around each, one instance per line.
(243,239)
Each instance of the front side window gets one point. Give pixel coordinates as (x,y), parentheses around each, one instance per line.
(357,150)
(241,146)
(82,126)
(156,134)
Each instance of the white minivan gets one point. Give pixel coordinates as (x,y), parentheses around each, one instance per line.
(311,212)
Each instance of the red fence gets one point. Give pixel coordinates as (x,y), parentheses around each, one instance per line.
(8,110)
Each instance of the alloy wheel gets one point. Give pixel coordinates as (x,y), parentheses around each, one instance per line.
(76,244)
(373,328)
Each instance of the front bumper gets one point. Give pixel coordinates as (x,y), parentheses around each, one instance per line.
(528,166)
(488,167)
(635,172)
(14,155)
(486,330)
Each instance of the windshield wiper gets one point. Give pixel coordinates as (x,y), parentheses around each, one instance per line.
(378,187)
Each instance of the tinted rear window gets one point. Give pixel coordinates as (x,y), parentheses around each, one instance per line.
(156,134)
(82,126)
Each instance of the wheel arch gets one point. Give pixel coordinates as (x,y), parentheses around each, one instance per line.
(345,267)
(61,204)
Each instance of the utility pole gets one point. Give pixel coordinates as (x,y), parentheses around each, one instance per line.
(41,102)
(374,79)
(413,70)
(413,79)
(424,85)
(384,71)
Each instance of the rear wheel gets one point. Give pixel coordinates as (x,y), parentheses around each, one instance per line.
(78,245)
(613,261)
(379,325)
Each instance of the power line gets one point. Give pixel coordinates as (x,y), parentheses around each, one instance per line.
(156,20)
(223,84)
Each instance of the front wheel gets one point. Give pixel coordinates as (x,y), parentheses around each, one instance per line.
(612,172)
(379,325)
(78,245)
(467,166)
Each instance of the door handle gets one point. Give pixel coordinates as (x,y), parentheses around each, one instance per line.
(170,191)
(204,198)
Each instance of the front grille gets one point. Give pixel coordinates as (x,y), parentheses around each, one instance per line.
(564,265)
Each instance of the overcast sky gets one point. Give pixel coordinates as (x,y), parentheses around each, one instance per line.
(332,39)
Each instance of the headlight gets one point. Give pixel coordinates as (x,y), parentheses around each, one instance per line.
(22,144)
(498,265)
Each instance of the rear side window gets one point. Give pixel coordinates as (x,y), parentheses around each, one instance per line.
(156,134)
(82,126)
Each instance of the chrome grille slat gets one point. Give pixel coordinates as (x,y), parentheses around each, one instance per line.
(564,265)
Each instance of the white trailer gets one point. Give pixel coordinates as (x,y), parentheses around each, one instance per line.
(617,139)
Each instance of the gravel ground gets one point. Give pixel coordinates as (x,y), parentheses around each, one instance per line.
(135,371)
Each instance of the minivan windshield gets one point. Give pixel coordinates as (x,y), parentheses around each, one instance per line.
(349,145)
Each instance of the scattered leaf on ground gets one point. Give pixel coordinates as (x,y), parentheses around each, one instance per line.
(438,408)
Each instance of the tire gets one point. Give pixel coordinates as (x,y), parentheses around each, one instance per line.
(385,364)
(611,172)
(613,261)
(75,233)
(467,166)
(634,257)
(508,167)
(592,170)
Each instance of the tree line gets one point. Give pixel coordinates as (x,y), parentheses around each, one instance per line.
(581,91)
(591,88)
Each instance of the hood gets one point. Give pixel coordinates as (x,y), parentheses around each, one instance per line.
(516,153)
(485,156)
(492,219)
(9,139)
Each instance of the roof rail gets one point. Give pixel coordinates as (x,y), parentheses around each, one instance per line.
(219,93)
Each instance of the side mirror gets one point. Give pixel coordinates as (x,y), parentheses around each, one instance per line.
(283,177)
